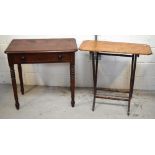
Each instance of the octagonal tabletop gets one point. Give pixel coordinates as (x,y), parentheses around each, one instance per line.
(115,47)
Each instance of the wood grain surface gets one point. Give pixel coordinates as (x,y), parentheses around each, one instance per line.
(42,45)
(115,47)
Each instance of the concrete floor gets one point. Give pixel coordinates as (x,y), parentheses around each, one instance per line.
(54,102)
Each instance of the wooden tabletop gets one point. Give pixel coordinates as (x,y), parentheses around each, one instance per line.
(42,45)
(115,47)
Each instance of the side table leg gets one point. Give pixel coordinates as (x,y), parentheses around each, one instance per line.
(95,72)
(72,83)
(132,79)
(14,85)
(21,78)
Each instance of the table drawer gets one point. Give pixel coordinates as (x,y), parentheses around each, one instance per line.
(42,58)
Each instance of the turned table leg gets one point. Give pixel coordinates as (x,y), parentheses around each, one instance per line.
(72,80)
(14,86)
(21,78)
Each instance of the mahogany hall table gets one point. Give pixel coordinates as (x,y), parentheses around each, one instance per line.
(30,51)
(114,49)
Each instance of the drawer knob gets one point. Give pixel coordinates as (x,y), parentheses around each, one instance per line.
(60,57)
(22,58)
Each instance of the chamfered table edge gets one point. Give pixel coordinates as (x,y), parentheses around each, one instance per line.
(113,52)
(42,51)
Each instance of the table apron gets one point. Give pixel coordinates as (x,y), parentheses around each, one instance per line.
(41,58)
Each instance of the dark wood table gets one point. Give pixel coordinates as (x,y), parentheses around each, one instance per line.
(30,51)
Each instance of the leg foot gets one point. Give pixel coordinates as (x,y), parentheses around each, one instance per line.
(93,109)
(17,105)
(73,103)
(128,113)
